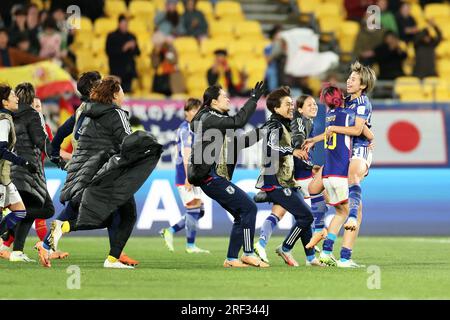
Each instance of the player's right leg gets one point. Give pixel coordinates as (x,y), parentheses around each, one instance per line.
(348,243)
(267,228)
(318,208)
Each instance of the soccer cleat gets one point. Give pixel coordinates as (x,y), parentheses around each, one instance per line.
(116,265)
(261,252)
(44,257)
(55,234)
(168,238)
(261,197)
(234,264)
(53,255)
(348,264)
(328,259)
(19,256)
(5,252)
(196,249)
(318,250)
(254,261)
(287,257)
(315,263)
(351,224)
(316,238)
(127,260)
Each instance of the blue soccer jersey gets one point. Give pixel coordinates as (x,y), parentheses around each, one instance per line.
(339,146)
(362,108)
(185,139)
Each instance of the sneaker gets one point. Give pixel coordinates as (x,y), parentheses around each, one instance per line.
(287,257)
(127,260)
(116,265)
(315,263)
(351,224)
(254,261)
(328,259)
(196,249)
(5,252)
(348,264)
(318,250)
(234,264)
(261,252)
(316,238)
(44,257)
(19,256)
(55,234)
(168,238)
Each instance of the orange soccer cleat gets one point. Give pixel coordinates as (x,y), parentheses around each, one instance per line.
(254,261)
(127,260)
(234,264)
(316,238)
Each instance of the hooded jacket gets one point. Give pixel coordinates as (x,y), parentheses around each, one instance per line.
(31,142)
(102,131)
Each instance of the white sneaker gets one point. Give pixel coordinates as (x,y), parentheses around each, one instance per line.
(55,234)
(168,238)
(328,259)
(196,249)
(315,263)
(116,265)
(261,252)
(19,256)
(348,264)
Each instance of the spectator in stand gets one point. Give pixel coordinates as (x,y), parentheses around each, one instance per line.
(222,74)
(121,48)
(356,9)
(273,51)
(425,46)
(167,21)
(167,77)
(366,41)
(193,22)
(12,57)
(19,25)
(407,26)
(390,57)
(50,40)
(33,28)
(388,21)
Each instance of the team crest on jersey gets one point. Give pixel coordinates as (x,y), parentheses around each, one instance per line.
(287,192)
(230,190)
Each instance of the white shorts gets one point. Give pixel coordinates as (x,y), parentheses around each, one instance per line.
(189,196)
(363,153)
(337,190)
(303,184)
(9,195)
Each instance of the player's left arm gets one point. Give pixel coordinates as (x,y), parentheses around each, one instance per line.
(355,130)
(368,133)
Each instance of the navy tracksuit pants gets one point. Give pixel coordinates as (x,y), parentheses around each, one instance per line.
(241,207)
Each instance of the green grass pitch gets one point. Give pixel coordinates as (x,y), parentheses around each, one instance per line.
(410,268)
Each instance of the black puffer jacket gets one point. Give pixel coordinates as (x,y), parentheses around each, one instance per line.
(119,179)
(31,142)
(101,133)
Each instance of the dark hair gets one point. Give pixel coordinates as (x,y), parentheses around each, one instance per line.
(25,92)
(50,22)
(332,97)
(5,90)
(275,29)
(301,100)
(211,93)
(274,98)
(122,17)
(103,91)
(192,103)
(87,81)
(4,30)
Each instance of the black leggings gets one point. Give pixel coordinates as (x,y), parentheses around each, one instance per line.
(34,211)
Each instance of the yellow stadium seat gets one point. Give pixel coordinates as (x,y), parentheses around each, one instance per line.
(307,6)
(102,63)
(241,48)
(186,44)
(437,88)
(85,25)
(221,27)
(179,96)
(85,61)
(347,32)
(138,26)
(103,26)
(98,45)
(328,9)
(340,3)
(248,29)
(196,84)
(330,23)
(444,25)
(208,46)
(443,50)
(434,10)
(418,15)
(406,85)
(417,96)
(144,42)
(153,96)
(113,8)
(205,7)
(139,8)
(443,67)
(228,9)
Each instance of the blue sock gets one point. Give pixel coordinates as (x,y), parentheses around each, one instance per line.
(310,258)
(318,208)
(231,259)
(354,196)
(267,228)
(346,254)
(329,243)
(284,249)
(178,226)
(191,219)
(14,217)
